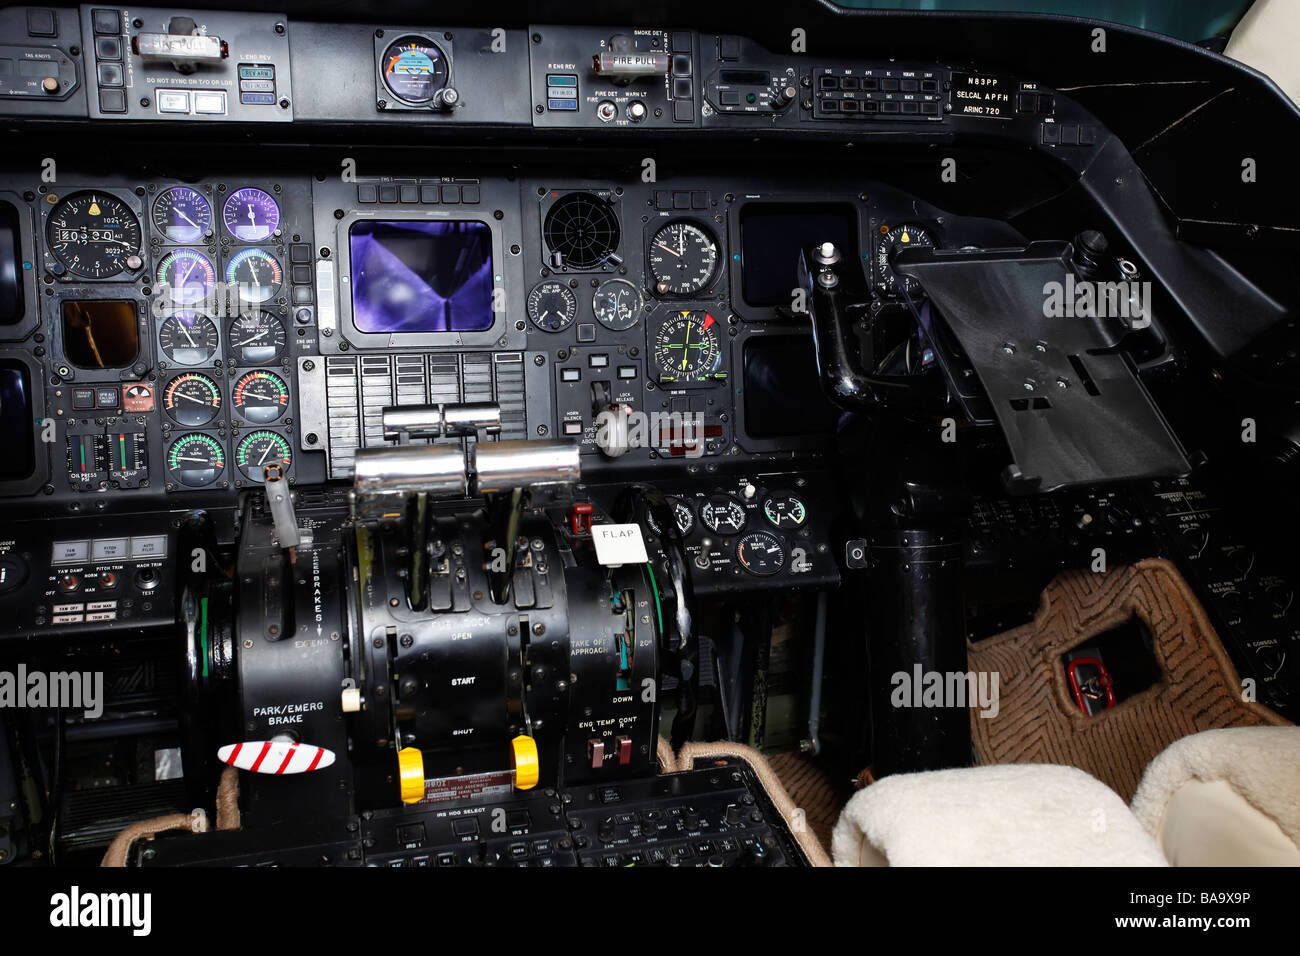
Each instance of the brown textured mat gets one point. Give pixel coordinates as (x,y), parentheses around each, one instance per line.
(1038,721)
(812,791)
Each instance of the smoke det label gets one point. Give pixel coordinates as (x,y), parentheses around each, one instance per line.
(618,544)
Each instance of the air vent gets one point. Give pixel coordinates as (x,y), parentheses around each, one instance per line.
(581,232)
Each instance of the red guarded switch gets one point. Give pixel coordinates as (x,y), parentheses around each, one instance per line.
(580,518)
(624,745)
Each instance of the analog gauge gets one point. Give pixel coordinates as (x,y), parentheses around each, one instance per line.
(188,338)
(784,511)
(891,244)
(182,214)
(261,397)
(683,259)
(723,514)
(761,553)
(93,234)
(256,273)
(414,69)
(552,306)
(187,275)
(192,399)
(682,516)
(195,460)
(255,339)
(688,348)
(251,215)
(261,448)
(617,304)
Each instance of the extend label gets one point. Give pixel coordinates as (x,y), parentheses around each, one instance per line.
(982,94)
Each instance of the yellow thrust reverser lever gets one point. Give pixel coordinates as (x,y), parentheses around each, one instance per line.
(410,770)
(527,771)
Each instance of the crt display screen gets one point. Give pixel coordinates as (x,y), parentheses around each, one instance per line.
(16,428)
(771,236)
(783,392)
(100,333)
(412,277)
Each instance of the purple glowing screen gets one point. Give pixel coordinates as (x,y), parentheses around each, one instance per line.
(421,276)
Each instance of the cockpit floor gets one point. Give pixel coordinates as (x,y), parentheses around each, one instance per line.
(1037,720)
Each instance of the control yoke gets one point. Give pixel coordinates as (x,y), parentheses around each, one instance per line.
(1063,389)
(855,346)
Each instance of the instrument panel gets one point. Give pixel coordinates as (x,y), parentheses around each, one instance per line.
(243,319)
(174,311)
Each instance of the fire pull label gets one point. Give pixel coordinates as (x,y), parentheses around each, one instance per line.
(499,783)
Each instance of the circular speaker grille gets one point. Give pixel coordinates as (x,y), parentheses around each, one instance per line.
(581,231)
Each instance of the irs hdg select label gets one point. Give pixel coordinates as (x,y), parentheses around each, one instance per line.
(981,94)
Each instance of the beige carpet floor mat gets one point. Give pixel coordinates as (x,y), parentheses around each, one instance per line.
(1038,721)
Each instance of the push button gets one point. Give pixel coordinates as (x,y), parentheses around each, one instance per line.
(70,552)
(108,48)
(112,101)
(42,23)
(106,21)
(110,74)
